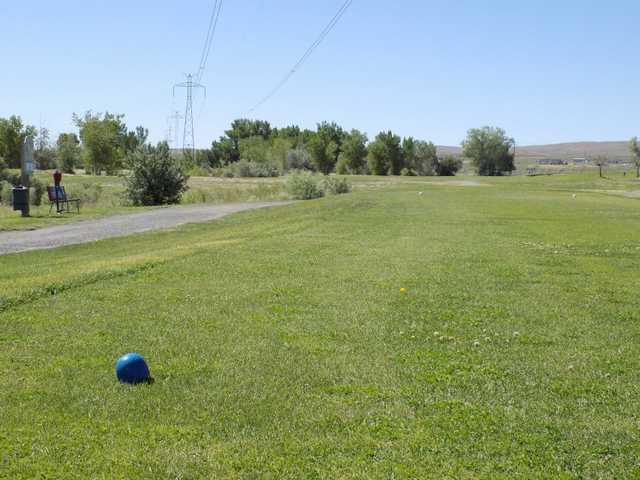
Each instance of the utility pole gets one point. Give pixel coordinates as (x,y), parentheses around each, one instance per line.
(188,139)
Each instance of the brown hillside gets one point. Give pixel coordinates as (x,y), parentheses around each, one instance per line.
(563,151)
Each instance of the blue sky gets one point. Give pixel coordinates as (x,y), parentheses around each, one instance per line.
(546,71)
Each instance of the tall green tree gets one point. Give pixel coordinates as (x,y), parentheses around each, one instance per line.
(44,155)
(409,155)
(103,138)
(635,151)
(324,146)
(425,158)
(490,150)
(385,154)
(68,152)
(278,153)
(224,152)
(292,132)
(135,139)
(353,157)
(227,149)
(12,135)
(254,149)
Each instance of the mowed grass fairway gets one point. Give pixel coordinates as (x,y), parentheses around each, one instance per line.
(281,345)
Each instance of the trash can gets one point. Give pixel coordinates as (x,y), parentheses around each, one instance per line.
(20,198)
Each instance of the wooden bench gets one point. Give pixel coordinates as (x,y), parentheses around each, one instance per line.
(58,197)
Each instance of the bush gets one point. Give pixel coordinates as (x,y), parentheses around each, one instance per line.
(408,172)
(303,185)
(156,178)
(5,193)
(36,191)
(448,166)
(298,159)
(342,167)
(245,169)
(336,186)
(9,180)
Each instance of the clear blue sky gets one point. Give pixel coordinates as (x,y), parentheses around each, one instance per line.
(546,71)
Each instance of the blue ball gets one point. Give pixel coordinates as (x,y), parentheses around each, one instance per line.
(131,368)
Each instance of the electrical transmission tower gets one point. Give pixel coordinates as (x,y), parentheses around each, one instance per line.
(188,138)
(174,128)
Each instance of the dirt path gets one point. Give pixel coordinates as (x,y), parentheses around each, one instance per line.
(119,225)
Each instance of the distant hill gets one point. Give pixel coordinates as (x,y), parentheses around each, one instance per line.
(562,151)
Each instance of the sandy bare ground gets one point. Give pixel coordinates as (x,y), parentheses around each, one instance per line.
(119,226)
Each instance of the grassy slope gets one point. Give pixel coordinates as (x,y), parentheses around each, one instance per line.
(282,348)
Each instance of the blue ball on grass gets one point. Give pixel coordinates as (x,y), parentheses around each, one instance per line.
(132,368)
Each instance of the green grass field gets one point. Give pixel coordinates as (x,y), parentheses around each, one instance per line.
(282,347)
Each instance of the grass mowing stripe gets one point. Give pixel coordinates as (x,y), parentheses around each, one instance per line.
(58,288)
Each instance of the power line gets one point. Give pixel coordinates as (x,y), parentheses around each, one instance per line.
(208,43)
(336,18)
(193,82)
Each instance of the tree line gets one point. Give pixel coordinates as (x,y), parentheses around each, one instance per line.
(104,144)
(330,148)
(327,149)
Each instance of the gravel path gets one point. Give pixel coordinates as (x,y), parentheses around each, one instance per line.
(119,226)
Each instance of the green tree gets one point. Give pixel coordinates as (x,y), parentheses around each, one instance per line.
(12,135)
(490,150)
(385,154)
(254,149)
(135,139)
(278,153)
(224,152)
(635,151)
(103,141)
(425,158)
(44,155)
(324,146)
(291,132)
(227,149)
(156,178)
(409,155)
(353,157)
(68,152)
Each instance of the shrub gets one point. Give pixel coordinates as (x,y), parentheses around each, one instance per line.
(156,178)
(342,167)
(448,166)
(5,193)
(336,185)
(298,159)
(407,172)
(303,185)
(36,191)
(245,169)
(9,180)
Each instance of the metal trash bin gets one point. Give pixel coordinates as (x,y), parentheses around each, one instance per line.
(20,198)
